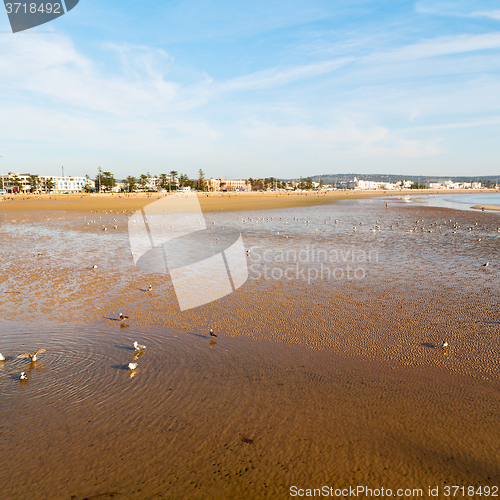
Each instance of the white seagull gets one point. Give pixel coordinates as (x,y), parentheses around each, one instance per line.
(132,366)
(33,357)
(212,334)
(2,357)
(138,346)
(444,344)
(122,316)
(486,264)
(23,376)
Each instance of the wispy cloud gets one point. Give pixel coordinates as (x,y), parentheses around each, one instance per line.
(275,77)
(469,124)
(460,8)
(441,46)
(346,138)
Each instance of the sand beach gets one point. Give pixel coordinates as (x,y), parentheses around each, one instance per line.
(327,368)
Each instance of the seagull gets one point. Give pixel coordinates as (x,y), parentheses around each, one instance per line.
(122,316)
(31,356)
(444,344)
(212,334)
(486,264)
(94,266)
(138,347)
(2,357)
(23,376)
(150,287)
(132,366)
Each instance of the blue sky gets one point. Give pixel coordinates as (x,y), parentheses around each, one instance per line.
(262,88)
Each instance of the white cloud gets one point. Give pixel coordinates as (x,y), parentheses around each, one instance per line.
(275,77)
(345,139)
(458,8)
(440,46)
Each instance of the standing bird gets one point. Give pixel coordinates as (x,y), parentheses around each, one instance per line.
(2,357)
(139,347)
(122,316)
(212,334)
(132,366)
(444,345)
(150,287)
(486,264)
(23,376)
(33,357)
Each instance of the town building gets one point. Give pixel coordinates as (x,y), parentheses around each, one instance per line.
(228,185)
(14,182)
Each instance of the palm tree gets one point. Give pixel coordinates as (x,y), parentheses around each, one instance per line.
(34,183)
(49,185)
(15,181)
(130,183)
(173,177)
(143,181)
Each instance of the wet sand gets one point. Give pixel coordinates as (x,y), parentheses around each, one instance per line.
(336,381)
(486,207)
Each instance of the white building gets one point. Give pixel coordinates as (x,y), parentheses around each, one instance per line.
(228,185)
(68,184)
(372,185)
(59,184)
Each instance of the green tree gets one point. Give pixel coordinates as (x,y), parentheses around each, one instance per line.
(34,183)
(130,184)
(143,180)
(183,180)
(49,185)
(107,181)
(308,183)
(163,181)
(173,179)
(257,184)
(200,185)
(15,182)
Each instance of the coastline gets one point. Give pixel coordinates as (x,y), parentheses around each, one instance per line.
(235,201)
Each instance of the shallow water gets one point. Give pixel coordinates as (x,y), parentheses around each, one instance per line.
(337,379)
(462,201)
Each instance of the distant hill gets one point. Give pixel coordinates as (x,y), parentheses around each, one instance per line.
(331,178)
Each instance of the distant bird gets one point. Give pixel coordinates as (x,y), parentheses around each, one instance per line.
(444,344)
(150,287)
(33,357)
(2,358)
(248,252)
(122,316)
(132,366)
(23,376)
(139,347)
(212,334)
(94,267)
(485,264)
